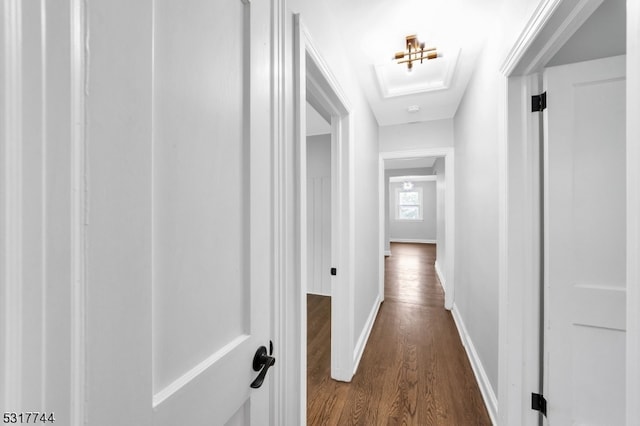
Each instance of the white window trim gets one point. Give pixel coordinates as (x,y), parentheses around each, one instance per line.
(420,204)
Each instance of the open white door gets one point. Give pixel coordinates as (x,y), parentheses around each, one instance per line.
(585,243)
(193,319)
(211,198)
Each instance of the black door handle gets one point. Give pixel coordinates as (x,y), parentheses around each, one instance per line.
(261,361)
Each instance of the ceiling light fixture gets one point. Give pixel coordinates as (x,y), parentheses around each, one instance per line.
(415,51)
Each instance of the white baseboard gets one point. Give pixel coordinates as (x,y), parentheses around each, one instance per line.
(364,336)
(387,252)
(411,240)
(443,283)
(488,394)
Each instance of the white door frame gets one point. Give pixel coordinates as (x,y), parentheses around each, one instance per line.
(449,164)
(633,211)
(317,83)
(324,92)
(26,306)
(551,25)
(300,67)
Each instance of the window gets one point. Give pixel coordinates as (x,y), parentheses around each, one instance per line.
(409,204)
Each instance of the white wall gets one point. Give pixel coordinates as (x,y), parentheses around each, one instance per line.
(476,266)
(633,211)
(421,231)
(317,17)
(428,134)
(439,171)
(319,214)
(476,131)
(319,156)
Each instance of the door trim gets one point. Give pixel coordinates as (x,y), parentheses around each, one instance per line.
(25,370)
(633,211)
(551,25)
(318,84)
(449,166)
(290,319)
(78,212)
(12,260)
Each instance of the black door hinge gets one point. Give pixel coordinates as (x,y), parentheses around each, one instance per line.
(334,271)
(538,403)
(539,102)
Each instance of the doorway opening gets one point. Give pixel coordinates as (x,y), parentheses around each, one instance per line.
(319,239)
(414,203)
(436,168)
(534,246)
(315,85)
(319,262)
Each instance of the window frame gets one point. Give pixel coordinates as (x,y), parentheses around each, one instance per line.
(420,204)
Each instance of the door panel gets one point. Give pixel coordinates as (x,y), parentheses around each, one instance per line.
(180,220)
(199,176)
(211,295)
(585,242)
(597,369)
(240,418)
(138,197)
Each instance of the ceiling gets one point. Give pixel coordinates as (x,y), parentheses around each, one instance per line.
(409,163)
(316,124)
(588,42)
(376,29)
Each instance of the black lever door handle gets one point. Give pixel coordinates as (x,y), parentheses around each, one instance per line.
(261,361)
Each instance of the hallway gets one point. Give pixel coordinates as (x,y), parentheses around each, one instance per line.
(414,369)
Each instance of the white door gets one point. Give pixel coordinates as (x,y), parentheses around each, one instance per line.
(211,238)
(203,198)
(585,243)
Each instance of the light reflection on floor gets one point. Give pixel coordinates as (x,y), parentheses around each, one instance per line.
(410,266)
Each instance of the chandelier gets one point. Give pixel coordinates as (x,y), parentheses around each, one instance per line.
(415,51)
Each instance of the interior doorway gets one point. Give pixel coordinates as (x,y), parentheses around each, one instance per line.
(547,200)
(439,164)
(584,244)
(314,84)
(584,322)
(319,262)
(414,206)
(319,242)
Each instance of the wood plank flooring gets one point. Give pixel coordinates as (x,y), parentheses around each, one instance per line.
(414,370)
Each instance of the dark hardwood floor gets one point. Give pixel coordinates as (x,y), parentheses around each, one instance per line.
(414,370)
